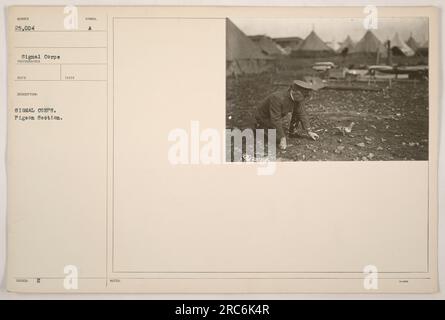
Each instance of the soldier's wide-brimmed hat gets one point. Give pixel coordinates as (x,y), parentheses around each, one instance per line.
(309,83)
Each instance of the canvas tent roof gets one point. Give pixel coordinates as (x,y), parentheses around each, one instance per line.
(396,42)
(239,46)
(423,49)
(242,54)
(289,42)
(412,43)
(267,45)
(424,45)
(369,44)
(334,45)
(313,43)
(347,43)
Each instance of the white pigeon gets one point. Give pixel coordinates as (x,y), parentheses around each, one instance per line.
(344,130)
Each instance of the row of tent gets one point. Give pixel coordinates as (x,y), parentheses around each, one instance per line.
(370,43)
(252,54)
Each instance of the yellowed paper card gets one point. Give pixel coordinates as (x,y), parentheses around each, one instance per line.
(122,162)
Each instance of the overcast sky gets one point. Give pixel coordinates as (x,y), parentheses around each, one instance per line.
(335,29)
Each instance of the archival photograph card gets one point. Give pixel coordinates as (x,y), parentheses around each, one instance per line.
(222,149)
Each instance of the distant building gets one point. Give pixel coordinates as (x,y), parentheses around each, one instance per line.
(267,45)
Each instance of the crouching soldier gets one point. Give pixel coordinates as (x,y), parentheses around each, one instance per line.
(274,109)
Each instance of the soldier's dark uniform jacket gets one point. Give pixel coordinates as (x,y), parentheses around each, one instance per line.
(276,106)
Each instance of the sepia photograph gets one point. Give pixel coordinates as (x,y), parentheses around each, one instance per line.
(137,165)
(326,89)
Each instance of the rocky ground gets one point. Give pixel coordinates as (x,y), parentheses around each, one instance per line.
(389,124)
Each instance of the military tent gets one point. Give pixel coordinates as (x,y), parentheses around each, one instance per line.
(346,46)
(334,45)
(369,45)
(267,45)
(423,49)
(400,48)
(243,56)
(313,46)
(289,44)
(412,43)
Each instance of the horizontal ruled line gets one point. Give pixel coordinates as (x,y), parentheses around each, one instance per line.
(60,31)
(57,80)
(225,278)
(31,47)
(62,63)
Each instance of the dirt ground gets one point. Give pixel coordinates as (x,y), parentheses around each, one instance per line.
(389,124)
